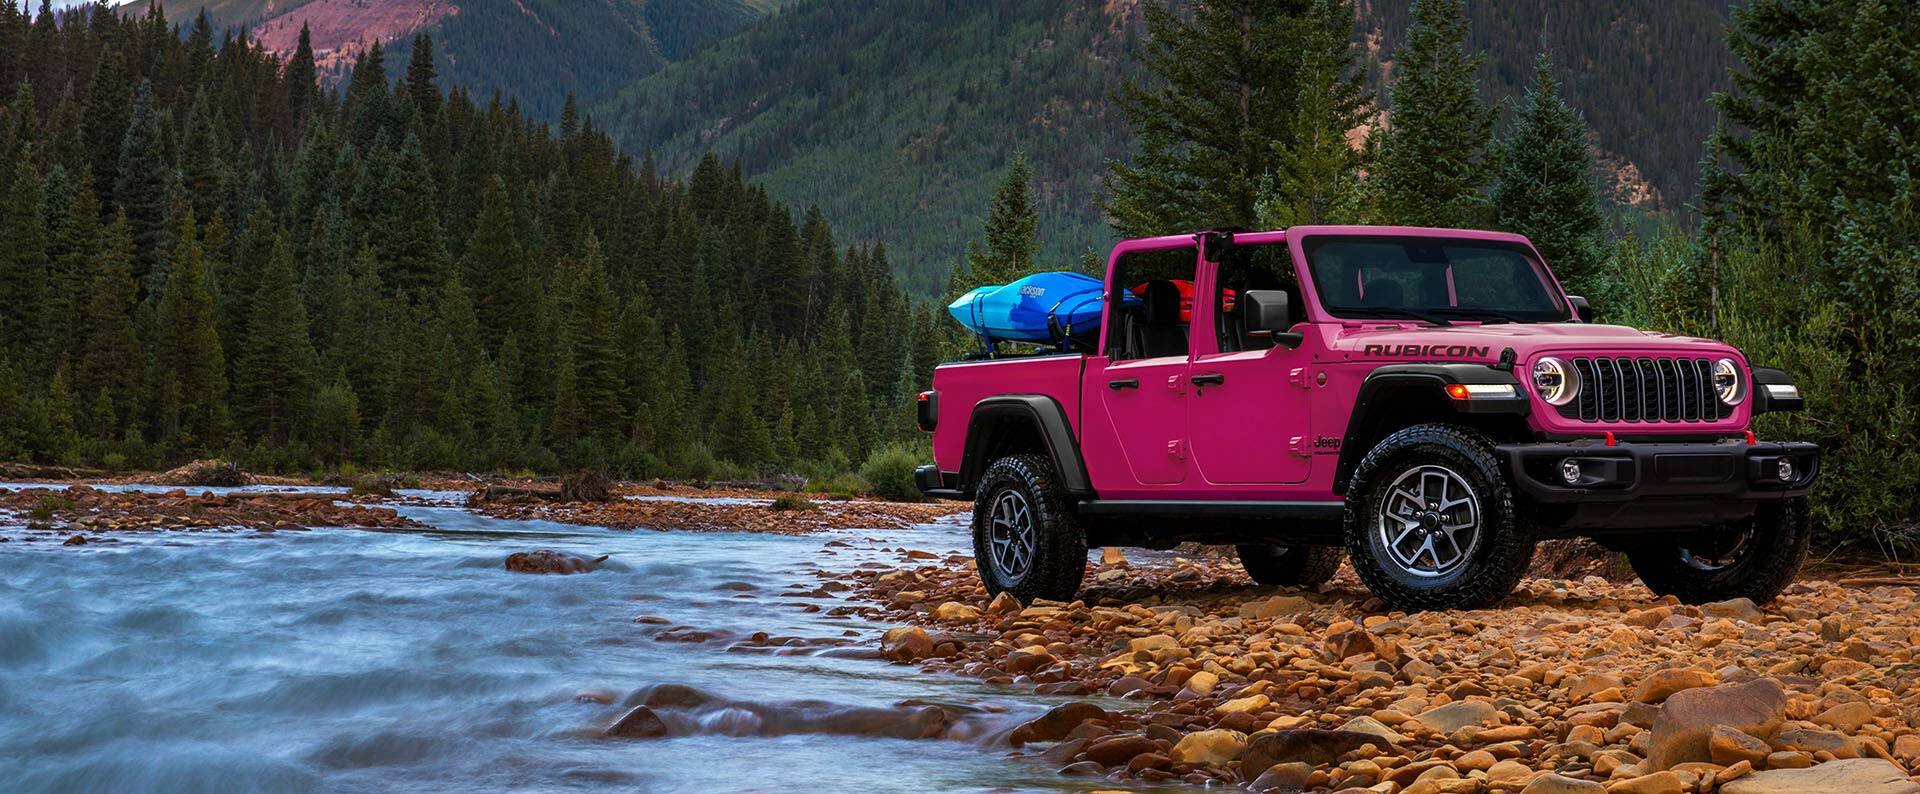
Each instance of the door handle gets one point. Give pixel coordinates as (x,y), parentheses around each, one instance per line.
(1124,383)
(1210,379)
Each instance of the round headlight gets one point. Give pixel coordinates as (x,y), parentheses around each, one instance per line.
(1554,381)
(1728,381)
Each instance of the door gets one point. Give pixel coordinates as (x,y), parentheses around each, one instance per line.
(1140,379)
(1247,418)
(1146,403)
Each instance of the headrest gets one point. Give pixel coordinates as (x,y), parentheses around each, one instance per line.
(1382,291)
(1162,302)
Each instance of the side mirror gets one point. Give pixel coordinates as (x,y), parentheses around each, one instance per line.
(1266,313)
(1581,308)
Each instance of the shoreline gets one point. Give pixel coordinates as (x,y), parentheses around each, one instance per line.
(1567,683)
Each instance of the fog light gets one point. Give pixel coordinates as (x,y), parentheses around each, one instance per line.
(1570,471)
(1786,470)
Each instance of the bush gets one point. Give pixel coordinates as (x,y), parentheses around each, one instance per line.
(792,502)
(889,473)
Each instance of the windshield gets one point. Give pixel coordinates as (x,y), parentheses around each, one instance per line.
(1431,279)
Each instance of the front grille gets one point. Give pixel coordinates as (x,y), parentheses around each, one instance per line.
(1643,389)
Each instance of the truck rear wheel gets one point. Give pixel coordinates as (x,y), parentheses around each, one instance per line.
(1755,558)
(1026,539)
(1290,566)
(1430,522)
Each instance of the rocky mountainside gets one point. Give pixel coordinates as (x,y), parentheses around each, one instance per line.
(533,50)
(919,103)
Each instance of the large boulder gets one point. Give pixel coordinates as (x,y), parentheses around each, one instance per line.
(640,723)
(906,644)
(1316,746)
(1216,746)
(1556,784)
(1855,776)
(1056,723)
(1446,719)
(549,561)
(1662,684)
(1683,728)
(207,474)
(1118,750)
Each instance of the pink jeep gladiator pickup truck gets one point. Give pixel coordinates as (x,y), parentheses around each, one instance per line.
(1430,400)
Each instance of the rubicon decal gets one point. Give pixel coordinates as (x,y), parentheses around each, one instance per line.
(1426,351)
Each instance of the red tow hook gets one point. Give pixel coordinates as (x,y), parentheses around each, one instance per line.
(1611,441)
(1750,439)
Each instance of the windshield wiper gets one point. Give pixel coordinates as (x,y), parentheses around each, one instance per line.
(1393,312)
(1481,313)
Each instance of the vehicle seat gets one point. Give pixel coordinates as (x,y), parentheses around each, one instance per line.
(1384,292)
(1160,331)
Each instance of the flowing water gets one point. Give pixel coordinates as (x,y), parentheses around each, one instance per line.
(352,660)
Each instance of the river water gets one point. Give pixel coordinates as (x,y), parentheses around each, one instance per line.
(352,660)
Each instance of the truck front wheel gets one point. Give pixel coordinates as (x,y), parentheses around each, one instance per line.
(1430,522)
(1290,566)
(1755,558)
(1026,539)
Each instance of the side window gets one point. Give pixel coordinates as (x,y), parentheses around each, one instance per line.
(1154,310)
(1251,267)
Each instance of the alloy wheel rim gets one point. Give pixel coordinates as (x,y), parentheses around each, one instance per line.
(1429,521)
(1719,556)
(1010,528)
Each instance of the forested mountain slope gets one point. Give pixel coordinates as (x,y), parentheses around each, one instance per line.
(896,117)
(533,50)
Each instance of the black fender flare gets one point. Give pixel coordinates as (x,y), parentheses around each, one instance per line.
(1045,416)
(1384,380)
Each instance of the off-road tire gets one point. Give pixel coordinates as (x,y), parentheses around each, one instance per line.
(1778,547)
(1290,566)
(1059,554)
(1493,564)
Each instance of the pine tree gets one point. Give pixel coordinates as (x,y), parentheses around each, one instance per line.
(1318,172)
(499,270)
(274,370)
(108,356)
(407,234)
(422,91)
(302,80)
(1011,230)
(1431,166)
(1209,129)
(336,419)
(24,270)
(72,249)
(106,122)
(187,348)
(596,360)
(203,169)
(1544,184)
(144,190)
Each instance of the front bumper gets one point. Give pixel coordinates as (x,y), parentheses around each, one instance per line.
(936,484)
(1625,472)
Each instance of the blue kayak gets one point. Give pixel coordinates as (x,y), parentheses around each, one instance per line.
(1043,307)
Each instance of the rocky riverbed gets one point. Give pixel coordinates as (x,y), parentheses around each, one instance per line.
(698,512)
(1572,686)
(81,514)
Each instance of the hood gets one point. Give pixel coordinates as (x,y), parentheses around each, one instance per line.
(1473,342)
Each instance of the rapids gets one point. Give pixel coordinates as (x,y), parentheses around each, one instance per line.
(351,660)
